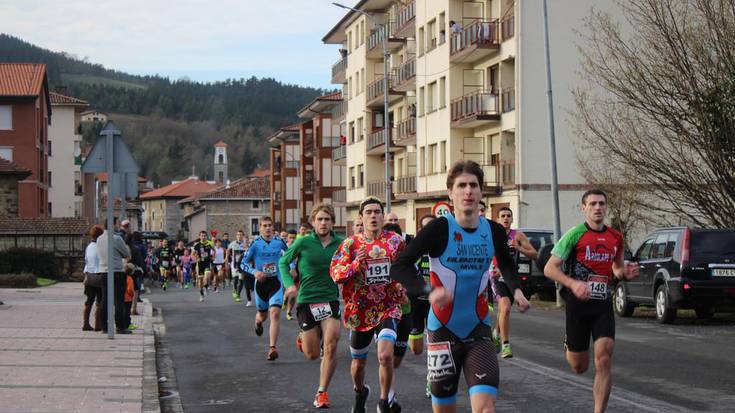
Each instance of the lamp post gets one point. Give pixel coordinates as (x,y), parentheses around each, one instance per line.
(386,139)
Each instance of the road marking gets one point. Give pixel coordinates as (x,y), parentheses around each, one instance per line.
(639,401)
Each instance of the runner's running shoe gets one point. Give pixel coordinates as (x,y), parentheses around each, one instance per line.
(321,400)
(289,317)
(258,329)
(360,399)
(506,352)
(272,354)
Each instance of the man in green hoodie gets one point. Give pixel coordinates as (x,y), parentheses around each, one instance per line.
(317,303)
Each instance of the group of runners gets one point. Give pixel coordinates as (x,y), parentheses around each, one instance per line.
(431,293)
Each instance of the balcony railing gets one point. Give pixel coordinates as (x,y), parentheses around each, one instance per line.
(405,129)
(405,74)
(292,164)
(508,27)
(339,195)
(405,184)
(339,153)
(375,38)
(501,174)
(376,89)
(481,34)
(508,173)
(339,71)
(376,138)
(340,110)
(405,17)
(475,104)
(376,92)
(377,189)
(508,98)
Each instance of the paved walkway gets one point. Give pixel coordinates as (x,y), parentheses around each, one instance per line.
(48,364)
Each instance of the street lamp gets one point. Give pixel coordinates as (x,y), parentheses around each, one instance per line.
(386,140)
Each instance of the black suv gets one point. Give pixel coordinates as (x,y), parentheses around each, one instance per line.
(681,268)
(531,275)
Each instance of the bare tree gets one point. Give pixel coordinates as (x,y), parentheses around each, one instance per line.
(656,110)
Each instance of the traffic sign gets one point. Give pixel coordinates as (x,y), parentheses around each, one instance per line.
(124,161)
(441,208)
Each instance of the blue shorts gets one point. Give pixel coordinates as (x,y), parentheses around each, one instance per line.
(268,293)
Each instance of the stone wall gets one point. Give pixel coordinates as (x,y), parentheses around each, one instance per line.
(9,196)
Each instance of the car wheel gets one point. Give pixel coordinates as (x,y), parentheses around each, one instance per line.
(665,313)
(704,312)
(623,307)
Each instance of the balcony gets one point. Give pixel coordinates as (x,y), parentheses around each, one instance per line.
(339,155)
(474,42)
(405,76)
(339,195)
(475,109)
(376,141)
(508,27)
(404,133)
(339,72)
(308,145)
(309,182)
(376,92)
(508,99)
(405,185)
(339,111)
(375,40)
(499,175)
(406,21)
(376,189)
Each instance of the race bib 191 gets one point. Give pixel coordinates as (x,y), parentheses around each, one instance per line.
(597,285)
(439,361)
(269,269)
(320,311)
(378,271)
(164,264)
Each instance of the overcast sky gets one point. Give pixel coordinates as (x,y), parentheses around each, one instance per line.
(202,40)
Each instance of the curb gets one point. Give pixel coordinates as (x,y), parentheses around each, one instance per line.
(151,403)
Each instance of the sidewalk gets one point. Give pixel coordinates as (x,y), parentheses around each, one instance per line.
(48,364)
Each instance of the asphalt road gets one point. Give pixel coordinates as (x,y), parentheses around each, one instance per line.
(220,364)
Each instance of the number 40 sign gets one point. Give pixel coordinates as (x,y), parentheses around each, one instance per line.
(441,208)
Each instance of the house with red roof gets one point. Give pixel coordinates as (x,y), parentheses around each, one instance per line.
(161,211)
(25,114)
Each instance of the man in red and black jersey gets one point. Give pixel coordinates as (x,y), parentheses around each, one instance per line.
(593,253)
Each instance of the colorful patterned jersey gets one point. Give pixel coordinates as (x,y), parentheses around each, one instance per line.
(589,253)
(369,294)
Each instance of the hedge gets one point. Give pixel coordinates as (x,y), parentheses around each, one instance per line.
(29,260)
(24,280)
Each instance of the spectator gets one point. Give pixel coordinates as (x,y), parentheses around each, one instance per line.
(130,270)
(92,281)
(138,253)
(120,252)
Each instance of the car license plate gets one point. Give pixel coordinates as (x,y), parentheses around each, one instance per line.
(524,268)
(723,272)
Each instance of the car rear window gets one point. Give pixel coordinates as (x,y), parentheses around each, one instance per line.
(712,244)
(539,239)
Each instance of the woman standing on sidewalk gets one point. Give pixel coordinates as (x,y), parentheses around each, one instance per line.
(92,281)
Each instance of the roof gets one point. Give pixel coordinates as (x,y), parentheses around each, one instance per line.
(290,131)
(64,226)
(93,111)
(260,173)
(320,104)
(337,34)
(183,189)
(102,177)
(22,79)
(244,188)
(11,168)
(220,144)
(59,99)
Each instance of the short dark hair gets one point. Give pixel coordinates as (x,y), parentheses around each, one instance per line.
(465,166)
(393,227)
(370,200)
(291,232)
(266,219)
(484,205)
(593,191)
(505,208)
(203,232)
(95,231)
(226,233)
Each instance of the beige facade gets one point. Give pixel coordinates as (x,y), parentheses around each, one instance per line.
(162,214)
(479,93)
(93,116)
(65,194)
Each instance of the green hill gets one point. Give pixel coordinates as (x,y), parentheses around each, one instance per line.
(177,120)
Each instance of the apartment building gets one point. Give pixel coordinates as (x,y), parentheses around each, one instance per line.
(65,181)
(466,81)
(25,113)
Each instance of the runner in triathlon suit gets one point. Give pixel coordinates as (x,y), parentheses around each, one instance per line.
(235,253)
(372,300)
(517,244)
(219,266)
(178,253)
(460,249)
(166,263)
(202,253)
(317,302)
(593,253)
(261,260)
(420,305)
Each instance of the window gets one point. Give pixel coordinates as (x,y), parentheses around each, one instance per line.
(351,132)
(422,156)
(293,190)
(421,101)
(357,83)
(421,40)
(431,35)
(49,208)
(6,117)
(49,148)
(49,179)
(364,83)
(644,252)
(659,247)
(361,175)
(256,204)
(671,245)
(442,28)
(442,92)
(6,153)
(349,42)
(352,177)
(360,130)
(254,224)
(349,87)
(431,98)
(443,156)
(432,159)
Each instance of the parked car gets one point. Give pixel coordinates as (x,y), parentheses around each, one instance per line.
(681,268)
(530,273)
